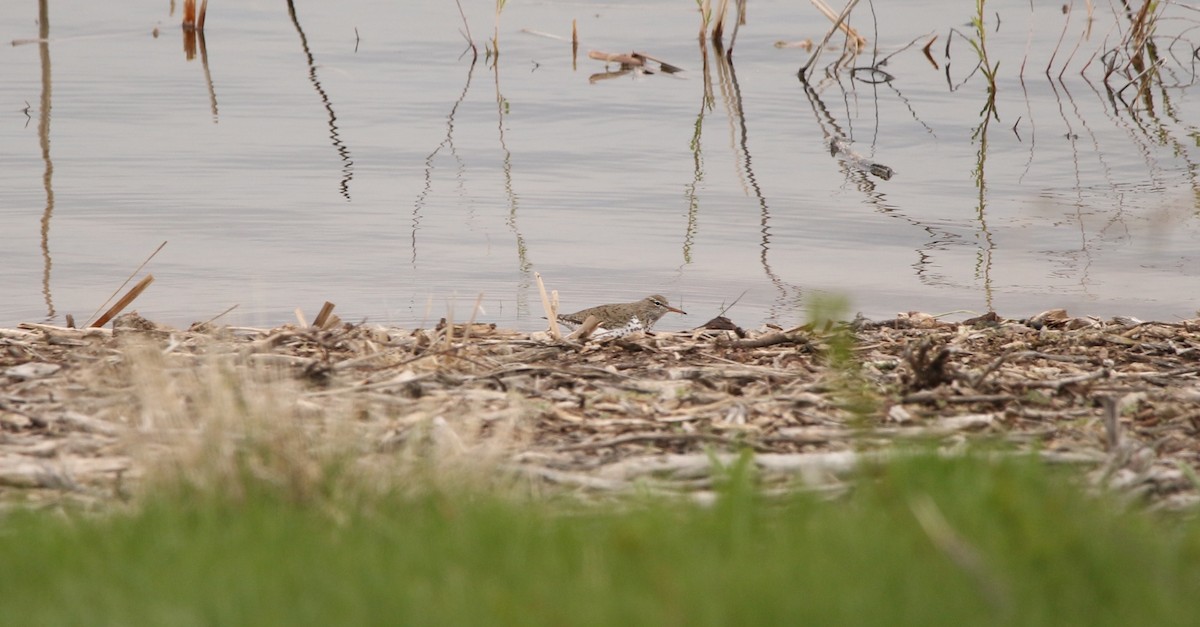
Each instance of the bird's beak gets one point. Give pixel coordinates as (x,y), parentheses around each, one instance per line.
(670,308)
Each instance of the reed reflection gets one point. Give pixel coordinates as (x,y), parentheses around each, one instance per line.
(524,266)
(334,135)
(731,97)
(448,143)
(193,39)
(44,141)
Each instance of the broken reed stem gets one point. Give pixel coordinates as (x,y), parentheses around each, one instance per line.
(127,280)
(203,14)
(322,319)
(617,57)
(551,313)
(585,330)
(189,14)
(124,301)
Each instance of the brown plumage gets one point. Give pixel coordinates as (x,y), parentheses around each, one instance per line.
(647,311)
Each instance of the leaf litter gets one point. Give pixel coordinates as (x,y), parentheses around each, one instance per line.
(86,414)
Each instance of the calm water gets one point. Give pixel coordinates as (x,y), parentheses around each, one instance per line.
(387,173)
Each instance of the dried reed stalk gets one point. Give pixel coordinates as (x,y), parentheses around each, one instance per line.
(323,317)
(124,301)
(203,14)
(551,311)
(838,22)
(718,28)
(617,57)
(860,42)
(585,329)
(189,14)
(127,280)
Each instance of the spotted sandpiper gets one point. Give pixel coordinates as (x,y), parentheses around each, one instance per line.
(628,317)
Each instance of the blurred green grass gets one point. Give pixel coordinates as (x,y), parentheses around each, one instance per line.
(920,541)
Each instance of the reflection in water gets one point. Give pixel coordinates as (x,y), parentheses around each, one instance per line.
(523,264)
(857,169)
(448,141)
(44,140)
(693,201)
(212,93)
(193,35)
(1079,205)
(342,150)
(731,95)
(985,245)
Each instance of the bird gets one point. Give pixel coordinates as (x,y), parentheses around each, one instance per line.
(636,316)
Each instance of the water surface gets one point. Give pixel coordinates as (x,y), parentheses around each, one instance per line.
(352,152)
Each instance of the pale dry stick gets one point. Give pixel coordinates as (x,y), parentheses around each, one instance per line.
(218,316)
(769,339)
(300,319)
(930,396)
(839,21)
(551,312)
(647,438)
(127,280)
(616,57)
(585,329)
(1059,384)
(50,40)
(530,31)
(803,73)
(471,320)
(133,293)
